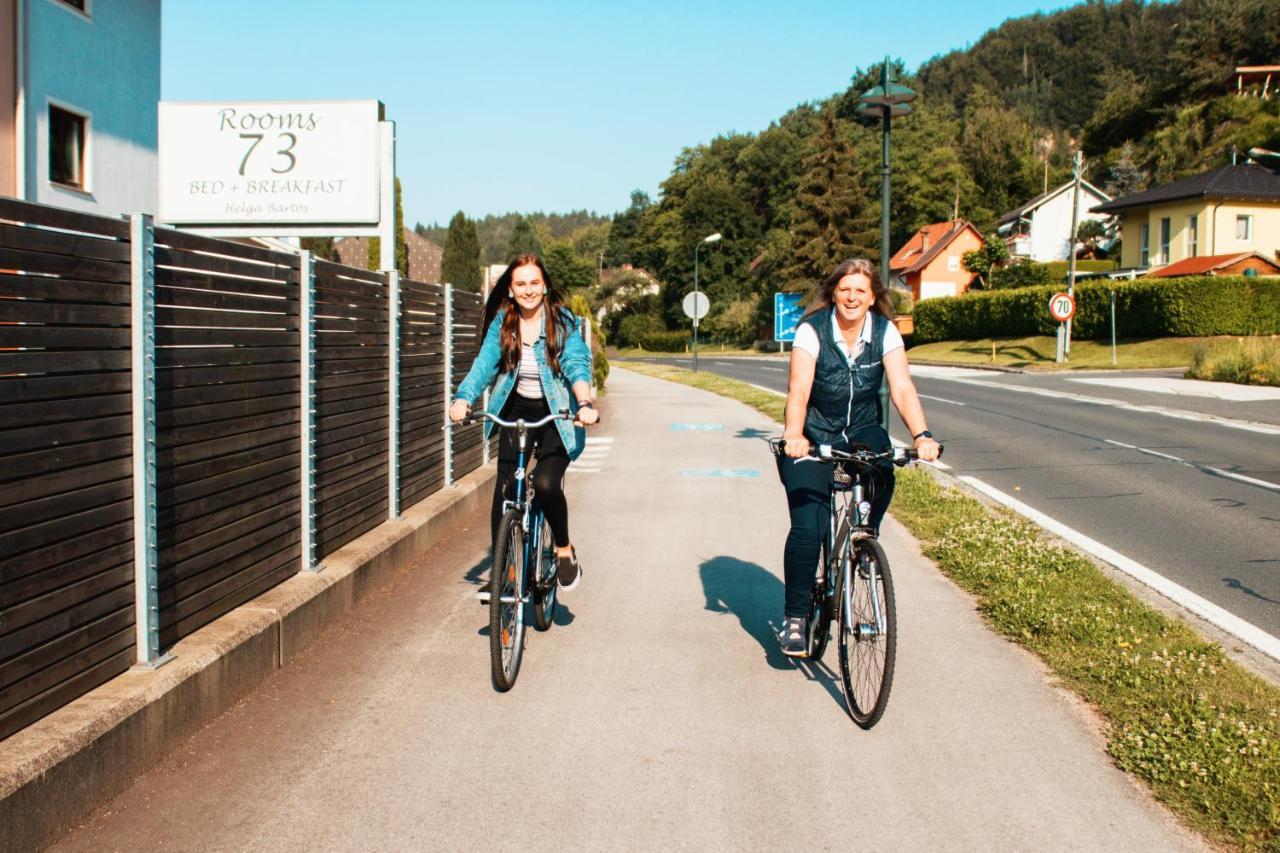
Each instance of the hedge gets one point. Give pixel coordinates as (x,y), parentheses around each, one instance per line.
(665,341)
(1195,306)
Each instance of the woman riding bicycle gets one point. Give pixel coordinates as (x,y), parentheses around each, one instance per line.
(534,348)
(845,344)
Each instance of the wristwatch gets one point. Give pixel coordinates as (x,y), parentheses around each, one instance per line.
(922,434)
(585,404)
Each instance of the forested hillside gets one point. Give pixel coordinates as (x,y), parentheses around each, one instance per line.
(495,231)
(1144,89)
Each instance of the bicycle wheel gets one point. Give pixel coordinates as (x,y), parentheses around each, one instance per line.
(819,609)
(868,645)
(545,585)
(506,603)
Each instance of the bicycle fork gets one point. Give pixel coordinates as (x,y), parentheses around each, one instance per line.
(863,509)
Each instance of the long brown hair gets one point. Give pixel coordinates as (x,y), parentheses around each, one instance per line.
(824,293)
(552,307)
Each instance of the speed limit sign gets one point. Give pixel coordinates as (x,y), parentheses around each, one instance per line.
(1062,306)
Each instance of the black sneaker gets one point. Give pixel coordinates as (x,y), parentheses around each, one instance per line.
(794,638)
(568,572)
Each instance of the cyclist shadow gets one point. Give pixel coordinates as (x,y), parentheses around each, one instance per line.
(754,595)
(479,574)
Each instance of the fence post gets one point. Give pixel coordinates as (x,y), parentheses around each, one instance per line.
(142,339)
(393,395)
(448,382)
(307,404)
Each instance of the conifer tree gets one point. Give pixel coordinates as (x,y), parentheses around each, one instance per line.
(828,222)
(524,240)
(402,251)
(460,265)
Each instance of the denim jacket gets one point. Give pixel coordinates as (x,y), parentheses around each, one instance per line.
(575,366)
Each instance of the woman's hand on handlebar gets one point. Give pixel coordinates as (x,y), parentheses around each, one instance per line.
(586,416)
(796,446)
(459,410)
(928,449)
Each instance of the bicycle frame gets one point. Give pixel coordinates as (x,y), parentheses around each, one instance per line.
(840,546)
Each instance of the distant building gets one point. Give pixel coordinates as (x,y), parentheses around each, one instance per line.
(79,95)
(931,264)
(424,256)
(1257,80)
(1041,229)
(1241,263)
(1231,210)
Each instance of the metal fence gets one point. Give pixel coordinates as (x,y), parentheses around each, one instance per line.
(186,422)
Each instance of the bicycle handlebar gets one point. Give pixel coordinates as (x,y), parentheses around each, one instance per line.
(900,456)
(476,417)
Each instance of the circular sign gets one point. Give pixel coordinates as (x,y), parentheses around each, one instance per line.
(696,305)
(1062,306)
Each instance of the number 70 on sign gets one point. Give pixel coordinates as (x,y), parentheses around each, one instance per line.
(1062,307)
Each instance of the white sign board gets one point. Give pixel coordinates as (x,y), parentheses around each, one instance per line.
(1062,307)
(696,305)
(262,163)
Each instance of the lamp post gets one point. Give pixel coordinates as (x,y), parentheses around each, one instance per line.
(885,101)
(710,238)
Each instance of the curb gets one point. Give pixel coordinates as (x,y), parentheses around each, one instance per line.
(57,770)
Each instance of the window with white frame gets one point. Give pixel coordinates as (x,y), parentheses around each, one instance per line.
(1193,235)
(1244,227)
(1145,244)
(1166,231)
(953,263)
(68,141)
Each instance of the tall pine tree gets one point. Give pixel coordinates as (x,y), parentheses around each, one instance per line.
(828,222)
(402,251)
(460,265)
(524,240)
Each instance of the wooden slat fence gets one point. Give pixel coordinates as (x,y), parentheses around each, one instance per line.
(66,513)
(352,347)
(468,315)
(422,391)
(227,429)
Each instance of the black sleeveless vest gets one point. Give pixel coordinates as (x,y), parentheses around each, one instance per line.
(844,397)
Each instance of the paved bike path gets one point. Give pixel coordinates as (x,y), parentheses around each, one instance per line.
(659,714)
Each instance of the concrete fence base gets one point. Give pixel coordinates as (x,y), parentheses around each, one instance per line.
(55,771)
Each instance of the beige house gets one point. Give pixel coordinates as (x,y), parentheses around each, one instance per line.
(425,256)
(1228,211)
(931,263)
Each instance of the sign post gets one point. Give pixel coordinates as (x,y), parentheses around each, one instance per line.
(695,305)
(786,317)
(1062,307)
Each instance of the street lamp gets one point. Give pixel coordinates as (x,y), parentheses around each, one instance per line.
(710,238)
(885,101)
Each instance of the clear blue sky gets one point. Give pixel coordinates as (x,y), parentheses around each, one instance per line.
(553,106)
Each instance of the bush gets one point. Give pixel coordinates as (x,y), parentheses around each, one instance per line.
(665,341)
(633,327)
(1250,361)
(600,369)
(1020,273)
(735,324)
(1199,306)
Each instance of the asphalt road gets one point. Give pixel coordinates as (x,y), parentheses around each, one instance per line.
(1105,469)
(657,713)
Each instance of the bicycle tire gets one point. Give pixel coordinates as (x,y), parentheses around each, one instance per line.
(819,609)
(506,620)
(866,662)
(544,574)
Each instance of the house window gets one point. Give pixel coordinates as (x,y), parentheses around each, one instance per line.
(1244,228)
(953,263)
(1166,228)
(1145,244)
(68,135)
(1193,235)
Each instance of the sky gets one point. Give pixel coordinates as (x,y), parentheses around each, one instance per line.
(553,106)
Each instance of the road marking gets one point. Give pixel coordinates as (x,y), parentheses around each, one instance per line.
(719,472)
(603,439)
(696,427)
(778,369)
(1274,487)
(724,363)
(941,400)
(1205,609)
(1249,426)
(770,390)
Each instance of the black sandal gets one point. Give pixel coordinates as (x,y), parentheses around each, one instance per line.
(568,571)
(794,638)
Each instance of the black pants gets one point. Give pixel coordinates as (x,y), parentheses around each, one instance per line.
(808,485)
(547,478)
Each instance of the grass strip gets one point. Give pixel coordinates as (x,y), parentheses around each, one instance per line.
(1039,352)
(1200,730)
(1249,361)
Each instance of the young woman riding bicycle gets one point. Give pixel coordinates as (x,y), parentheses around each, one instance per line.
(534,351)
(844,346)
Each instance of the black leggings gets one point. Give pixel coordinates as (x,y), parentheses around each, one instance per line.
(808,485)
(548,475)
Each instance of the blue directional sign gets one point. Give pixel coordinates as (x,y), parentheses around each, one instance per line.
(719,472)
(786,315)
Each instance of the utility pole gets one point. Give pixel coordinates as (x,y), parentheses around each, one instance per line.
(1077,167)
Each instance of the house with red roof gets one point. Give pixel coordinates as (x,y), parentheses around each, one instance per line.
(931,263)
(1238,263)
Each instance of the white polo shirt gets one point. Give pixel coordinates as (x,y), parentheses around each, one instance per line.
(807,339)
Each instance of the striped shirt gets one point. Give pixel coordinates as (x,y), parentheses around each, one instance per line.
(528,380)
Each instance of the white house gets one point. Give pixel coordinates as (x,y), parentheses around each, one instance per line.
(79,90)
(1041,228)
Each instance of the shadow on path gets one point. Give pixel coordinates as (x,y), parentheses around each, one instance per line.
(754,595)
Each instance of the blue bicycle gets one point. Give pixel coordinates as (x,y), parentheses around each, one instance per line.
(524,563)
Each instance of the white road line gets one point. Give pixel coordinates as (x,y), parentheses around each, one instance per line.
(1249,426)
(770,390)
(1274,487)
(603,439)
(941,400)
(1205,609)
(778,369)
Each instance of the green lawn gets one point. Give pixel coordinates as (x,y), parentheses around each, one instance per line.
(1038,352)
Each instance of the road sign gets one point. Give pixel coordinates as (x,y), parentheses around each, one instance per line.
(696,305)
(1062,306)
(786,315)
